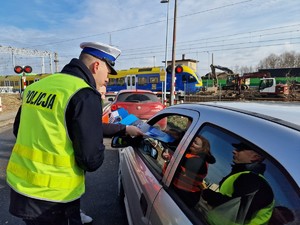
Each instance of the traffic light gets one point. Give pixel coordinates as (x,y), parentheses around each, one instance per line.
(178,69)
(25,69)
(169,69)
(18,69)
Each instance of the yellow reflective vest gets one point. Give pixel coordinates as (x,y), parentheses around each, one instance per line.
(226,214)
(42,164)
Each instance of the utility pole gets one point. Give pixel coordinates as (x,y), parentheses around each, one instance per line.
(173,57)
(56,61)
(164,88)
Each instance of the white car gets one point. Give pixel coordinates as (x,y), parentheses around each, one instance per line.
(147,178)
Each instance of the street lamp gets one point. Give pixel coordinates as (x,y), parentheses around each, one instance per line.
(166,53)
(172,89)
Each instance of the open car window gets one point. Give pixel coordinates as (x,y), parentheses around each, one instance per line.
(157,154)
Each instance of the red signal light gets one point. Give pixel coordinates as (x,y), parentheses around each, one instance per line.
(18,69)
(178,69)
(27,69)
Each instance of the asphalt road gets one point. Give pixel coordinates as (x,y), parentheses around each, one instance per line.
(100,200)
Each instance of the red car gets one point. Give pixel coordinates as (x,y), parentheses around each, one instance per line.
(142,103)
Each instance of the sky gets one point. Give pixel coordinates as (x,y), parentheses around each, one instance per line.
(230,33)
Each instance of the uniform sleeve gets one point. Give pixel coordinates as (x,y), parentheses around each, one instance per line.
(84,124)
(17,122)
(111,129)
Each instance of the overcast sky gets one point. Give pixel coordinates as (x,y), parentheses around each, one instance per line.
(237,32)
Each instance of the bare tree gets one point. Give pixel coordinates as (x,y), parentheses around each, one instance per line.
(285,60)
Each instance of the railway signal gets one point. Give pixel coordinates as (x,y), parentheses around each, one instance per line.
(22,71)
(18,69)
(178,69)
(25,69)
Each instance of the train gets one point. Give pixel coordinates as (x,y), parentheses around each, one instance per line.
(187,81)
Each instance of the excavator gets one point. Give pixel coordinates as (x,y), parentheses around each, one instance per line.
(233,80)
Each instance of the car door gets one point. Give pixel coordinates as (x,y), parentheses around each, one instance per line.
(167,208)
(140,185)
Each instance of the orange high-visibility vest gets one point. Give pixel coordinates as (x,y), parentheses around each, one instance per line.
(187,180)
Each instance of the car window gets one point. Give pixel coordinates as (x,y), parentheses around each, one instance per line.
(137,97)
(277,199)
(157,154)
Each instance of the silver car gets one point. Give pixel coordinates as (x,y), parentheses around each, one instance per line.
(152,170)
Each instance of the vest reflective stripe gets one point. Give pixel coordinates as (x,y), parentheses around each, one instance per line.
(44,180)
(44,157)
(193,182)
(42,164)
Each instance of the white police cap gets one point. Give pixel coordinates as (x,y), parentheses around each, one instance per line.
(102,51)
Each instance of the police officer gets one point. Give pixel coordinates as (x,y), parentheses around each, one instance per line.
(59,137)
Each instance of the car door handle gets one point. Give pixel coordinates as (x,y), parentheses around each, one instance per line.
(144,204)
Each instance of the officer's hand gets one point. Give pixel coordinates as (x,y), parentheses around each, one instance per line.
(133,131)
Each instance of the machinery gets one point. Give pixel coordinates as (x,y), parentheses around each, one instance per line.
(233,80)
(236,84)
(268,87)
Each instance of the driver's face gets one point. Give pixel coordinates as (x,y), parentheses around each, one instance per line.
(244,156)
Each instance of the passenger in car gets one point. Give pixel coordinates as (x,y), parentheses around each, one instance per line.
(246,183)
(188,180)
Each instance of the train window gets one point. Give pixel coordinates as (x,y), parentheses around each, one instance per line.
(142,80)
(111,81)
(15,83)
(2,83)
(153,80)
(120,81)
(192,79)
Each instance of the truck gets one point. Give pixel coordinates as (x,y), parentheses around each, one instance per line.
(268,87)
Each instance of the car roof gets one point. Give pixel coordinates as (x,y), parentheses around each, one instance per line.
(135,90)
(285,111)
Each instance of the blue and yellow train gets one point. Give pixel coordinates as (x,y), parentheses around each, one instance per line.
(153,78)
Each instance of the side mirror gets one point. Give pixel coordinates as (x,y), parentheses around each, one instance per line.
(120,142)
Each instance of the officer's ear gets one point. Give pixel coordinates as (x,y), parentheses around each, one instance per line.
(95,66)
